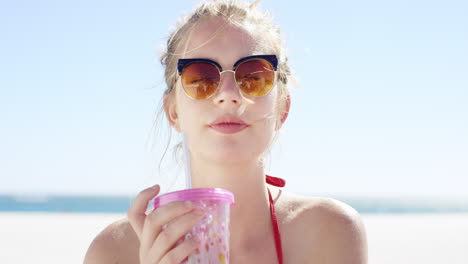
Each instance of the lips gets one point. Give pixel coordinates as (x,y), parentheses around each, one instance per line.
(228,124)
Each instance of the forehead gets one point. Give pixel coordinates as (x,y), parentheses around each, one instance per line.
(216,39)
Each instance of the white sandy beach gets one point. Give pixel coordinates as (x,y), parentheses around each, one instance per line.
(55,238)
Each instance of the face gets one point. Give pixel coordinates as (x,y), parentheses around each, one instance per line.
(228,126)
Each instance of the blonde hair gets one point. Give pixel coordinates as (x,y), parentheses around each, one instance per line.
(239,13)
(235,12)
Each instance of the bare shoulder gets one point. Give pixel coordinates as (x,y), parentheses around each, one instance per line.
(117,243)
(324,229)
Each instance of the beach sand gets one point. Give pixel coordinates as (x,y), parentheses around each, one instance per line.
(418,238)
(55,238)
(49,238)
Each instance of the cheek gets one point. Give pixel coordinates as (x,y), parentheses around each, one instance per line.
(268,106)
(265,112)
(188,118)
(184,110)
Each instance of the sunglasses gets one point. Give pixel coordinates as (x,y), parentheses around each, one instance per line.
(253,75)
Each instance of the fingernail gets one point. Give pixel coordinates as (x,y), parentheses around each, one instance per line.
(155,186)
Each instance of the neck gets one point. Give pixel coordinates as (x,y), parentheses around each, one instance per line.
(251,209)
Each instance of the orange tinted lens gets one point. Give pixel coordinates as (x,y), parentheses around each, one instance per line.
(200,79)
(255,77)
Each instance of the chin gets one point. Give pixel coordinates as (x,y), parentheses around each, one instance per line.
(230,156)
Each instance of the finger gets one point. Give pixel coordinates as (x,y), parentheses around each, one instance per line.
(182,251)
(136,212)
(175,231)
(155,221)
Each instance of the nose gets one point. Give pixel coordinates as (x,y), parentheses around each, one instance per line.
(227,90)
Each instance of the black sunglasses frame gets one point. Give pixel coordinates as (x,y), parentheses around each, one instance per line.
(182,63)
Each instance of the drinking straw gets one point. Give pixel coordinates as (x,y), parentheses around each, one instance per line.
(188,175)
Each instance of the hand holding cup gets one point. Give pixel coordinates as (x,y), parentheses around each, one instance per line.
(161,242)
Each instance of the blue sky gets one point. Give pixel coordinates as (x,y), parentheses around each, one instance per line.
(380,109)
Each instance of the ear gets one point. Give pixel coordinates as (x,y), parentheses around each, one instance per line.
(285,112)
(171,111)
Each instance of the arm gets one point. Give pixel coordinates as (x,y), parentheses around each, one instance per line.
(346,242)
(336,234)
(117,243)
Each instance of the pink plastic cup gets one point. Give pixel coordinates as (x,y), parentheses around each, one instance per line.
(213,229)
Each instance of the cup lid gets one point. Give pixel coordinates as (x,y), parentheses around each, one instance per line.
(194,194)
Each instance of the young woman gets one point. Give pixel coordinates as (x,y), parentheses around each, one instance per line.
(227,75)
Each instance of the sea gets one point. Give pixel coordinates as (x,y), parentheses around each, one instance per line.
(120,204)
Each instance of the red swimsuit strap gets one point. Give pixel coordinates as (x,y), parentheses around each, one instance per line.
(280,183)
(275,181)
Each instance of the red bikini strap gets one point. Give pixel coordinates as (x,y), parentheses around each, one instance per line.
(276,233)
(275,181)
(278,182)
